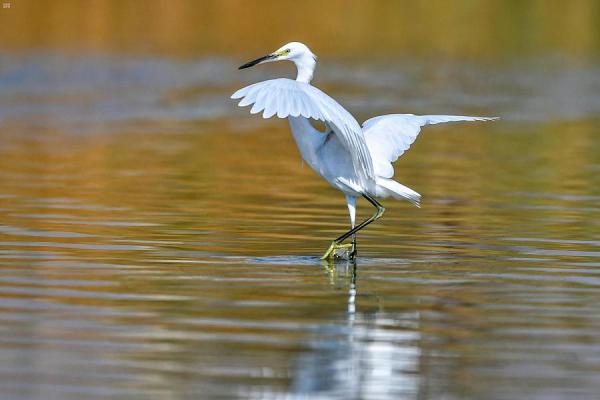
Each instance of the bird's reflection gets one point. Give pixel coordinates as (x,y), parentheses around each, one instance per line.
(342,272)
(368,351)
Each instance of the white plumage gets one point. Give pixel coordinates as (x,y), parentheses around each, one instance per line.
(355,160)
(289,98)
(389,136)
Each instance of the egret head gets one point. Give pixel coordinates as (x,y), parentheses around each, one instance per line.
(296,52)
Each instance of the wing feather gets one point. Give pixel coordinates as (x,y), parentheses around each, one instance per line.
(283,104)
(259,103)
(243,91)
(389,136)
(308,107)
(270,103)
(250,97)
(286,97)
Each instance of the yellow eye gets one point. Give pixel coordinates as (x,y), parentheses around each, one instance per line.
(287,51)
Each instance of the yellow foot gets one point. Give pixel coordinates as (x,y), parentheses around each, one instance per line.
(331,251)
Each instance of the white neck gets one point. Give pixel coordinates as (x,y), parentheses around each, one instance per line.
(306,67)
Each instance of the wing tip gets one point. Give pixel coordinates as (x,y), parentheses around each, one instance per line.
(268,113)
(416,201)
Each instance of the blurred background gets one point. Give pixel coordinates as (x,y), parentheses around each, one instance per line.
(485,31)
(157,241)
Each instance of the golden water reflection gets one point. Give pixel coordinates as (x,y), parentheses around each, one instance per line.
(190,258)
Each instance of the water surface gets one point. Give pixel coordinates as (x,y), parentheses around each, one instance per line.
(158,242)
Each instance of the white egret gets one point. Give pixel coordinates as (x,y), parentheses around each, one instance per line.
(357,161)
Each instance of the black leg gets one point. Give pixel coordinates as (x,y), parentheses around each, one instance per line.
(352,232)
(378,213)
(354,250)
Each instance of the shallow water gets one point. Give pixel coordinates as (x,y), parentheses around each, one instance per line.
(158,242)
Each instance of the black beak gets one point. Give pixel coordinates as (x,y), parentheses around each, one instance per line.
(258,61)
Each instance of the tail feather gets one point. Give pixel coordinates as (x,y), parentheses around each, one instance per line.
(399,191)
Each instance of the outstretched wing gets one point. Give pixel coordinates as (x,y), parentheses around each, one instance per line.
(389,136)
(285,97)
